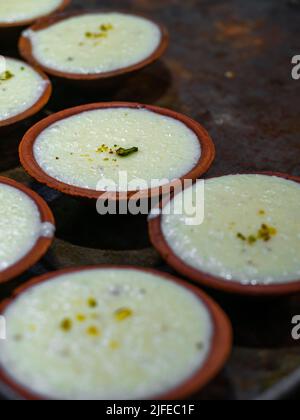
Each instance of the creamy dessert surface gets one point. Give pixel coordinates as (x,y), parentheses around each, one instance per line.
(95,43)
(19,10)
(250,234)
(105,334)
(20,225)
(20,88)
(82,150)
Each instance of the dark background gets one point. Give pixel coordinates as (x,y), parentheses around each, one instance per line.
(229,67)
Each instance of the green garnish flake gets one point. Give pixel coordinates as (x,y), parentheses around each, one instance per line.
(92,303)
(251,239)
(126,152)
(122,314)
(106,27)
(116,150)
(241,236)
(66,325)
(93,331)
(6,75)
(265,233)
(95,35)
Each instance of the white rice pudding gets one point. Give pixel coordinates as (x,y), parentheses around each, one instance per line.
(105,334)
(18,10)
(20,88)
(20,225)
(95,43)
(82,150)
(250,234)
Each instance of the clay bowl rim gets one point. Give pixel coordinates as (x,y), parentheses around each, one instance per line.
(26,50)
(38,105)
(27,22)
(220,351)
(31,166)
(42,244)
(215,282)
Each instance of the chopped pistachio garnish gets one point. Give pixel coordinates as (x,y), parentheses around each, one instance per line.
(93,331)
(251,239)
(81,317)
(241,236)
(106,27)
(102,149)
(122,314)
(116,150)
(265,233)
(6,75)
(95,35)
(92,303)
(126,152)
(66,325)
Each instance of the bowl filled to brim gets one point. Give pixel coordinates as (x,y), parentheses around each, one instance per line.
(232,285)
(200,136)
(15,121)
(10,31)
(212,319)
(90,78)
(42,242)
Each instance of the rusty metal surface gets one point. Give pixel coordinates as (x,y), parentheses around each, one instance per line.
(228,67)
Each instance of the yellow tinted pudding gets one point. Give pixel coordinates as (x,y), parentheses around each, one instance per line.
(14,11)
(250,233)
(95,43)
(20,225)
(21,87)
(119,145)
(105,334)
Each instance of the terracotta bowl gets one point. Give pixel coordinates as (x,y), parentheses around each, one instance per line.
(43,243)
(219,353)
(209,280)
(10,32)
(31,166)
(14,122)
(104,79)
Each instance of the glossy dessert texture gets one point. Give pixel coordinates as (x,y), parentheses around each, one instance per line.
(20,10)
(95,43)
(250,233)
(20,225)
(105,334)
(21,87)
(117,147)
